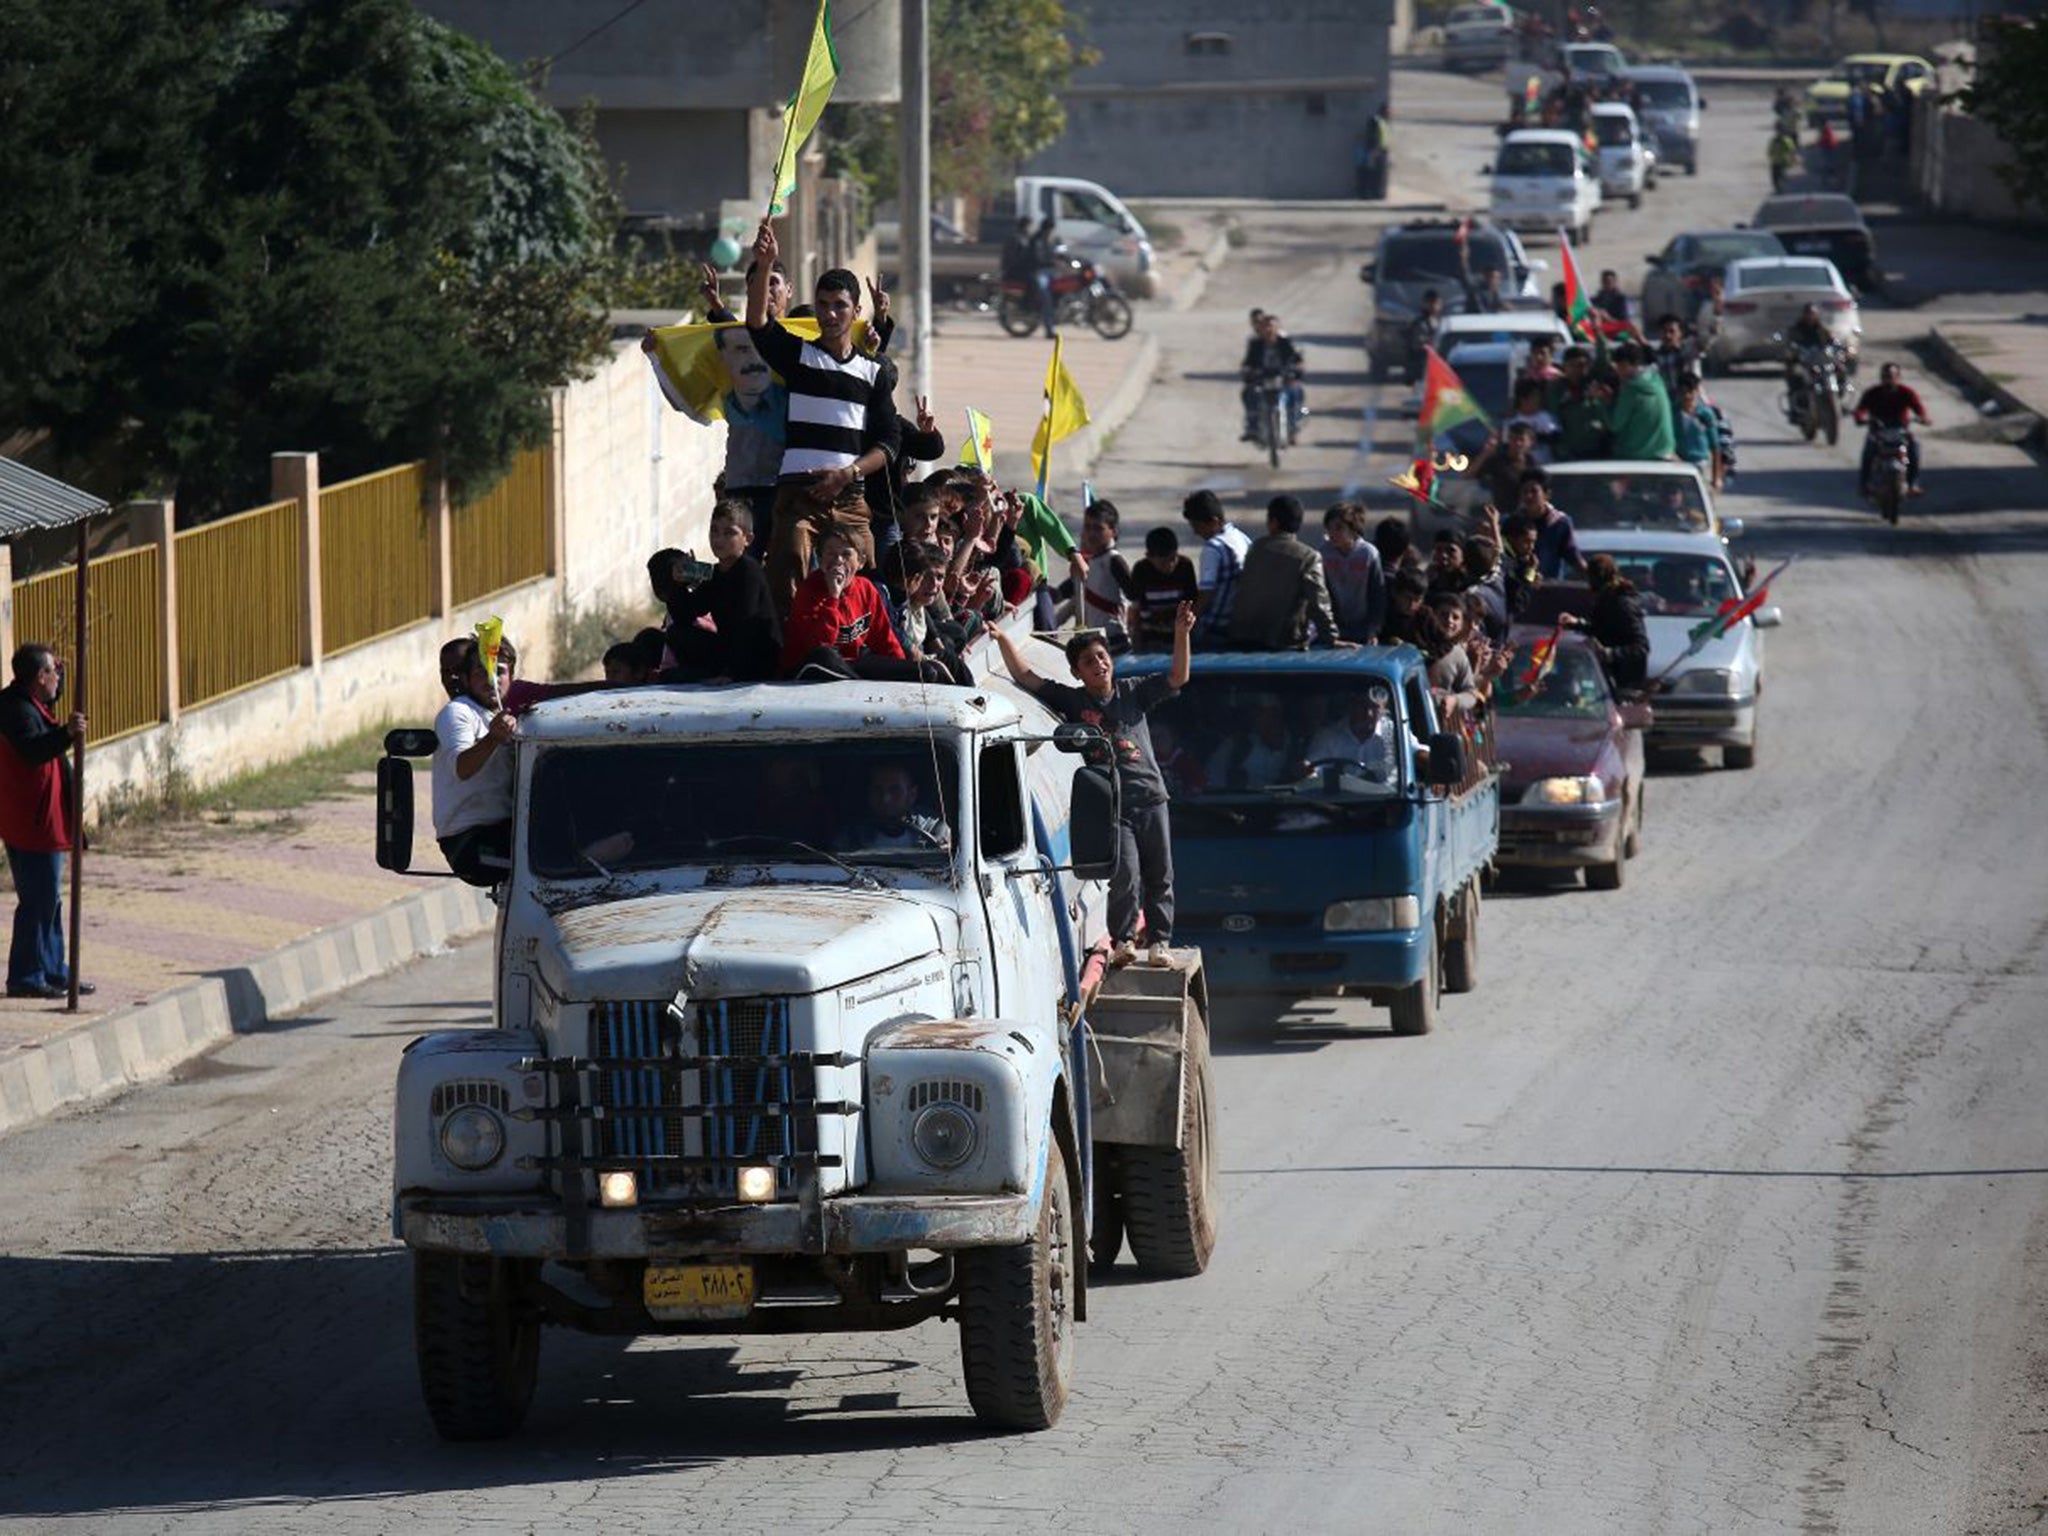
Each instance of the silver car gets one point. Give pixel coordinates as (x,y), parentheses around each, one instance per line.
(1762,296)
(1669,104)
(1707,698)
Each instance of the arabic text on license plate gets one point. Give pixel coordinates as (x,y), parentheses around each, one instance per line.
(682,1293)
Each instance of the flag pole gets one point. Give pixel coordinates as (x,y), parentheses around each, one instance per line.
(80,635)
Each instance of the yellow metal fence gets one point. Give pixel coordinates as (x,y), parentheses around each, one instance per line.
(500,538)
(376,557)
(239,600)
(127,659)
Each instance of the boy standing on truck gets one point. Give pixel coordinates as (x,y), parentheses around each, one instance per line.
(1144,867)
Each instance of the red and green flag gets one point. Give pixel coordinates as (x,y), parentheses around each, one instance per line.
(1445,400)
(1725,618)
(1578,308)
(1542,657)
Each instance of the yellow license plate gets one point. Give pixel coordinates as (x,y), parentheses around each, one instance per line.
(684,1293)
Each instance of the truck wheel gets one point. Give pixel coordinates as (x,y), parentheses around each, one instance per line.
(1169,1193)
(1739,757)
(1017,1316)
(1461,956)
(478,1343)
(1106,1218)
(1413,1010)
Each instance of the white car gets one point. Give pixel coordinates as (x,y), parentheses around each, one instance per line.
(1762,296)
(1667,495)
(1545,179)
(1592,61)
(1478,36)
(1710,697)
(1523,325)
(1626,163)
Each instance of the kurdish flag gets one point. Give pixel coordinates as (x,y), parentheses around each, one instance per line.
(1542,657)
(1065,414)
(806,106)
(1445,400)
(979,451)
(1578,309)
(1726,617)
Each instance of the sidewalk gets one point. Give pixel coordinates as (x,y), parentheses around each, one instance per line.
(196,930)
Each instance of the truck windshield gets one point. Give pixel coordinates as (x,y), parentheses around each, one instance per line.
(1569,687)
(604,809)
(1540,159)
(1294,742)
(1670,95)
(1433,257)
(1614,130)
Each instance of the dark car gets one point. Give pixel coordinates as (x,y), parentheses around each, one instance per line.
(1572,761)
(1446,255)
(1825,224)
(1681,274)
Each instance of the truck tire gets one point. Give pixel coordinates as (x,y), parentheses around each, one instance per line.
(478,1344)
(1017,1316)
(1461,955)
(1413,1010)
(1106,1216)
(1169,1193)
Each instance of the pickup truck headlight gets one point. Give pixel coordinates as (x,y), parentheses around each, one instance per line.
(472,1138)
(1720,680)
(1373,914)
(945,1134)
(1585,790)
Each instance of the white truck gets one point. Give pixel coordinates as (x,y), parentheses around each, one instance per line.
(1091,221)
(803,1022)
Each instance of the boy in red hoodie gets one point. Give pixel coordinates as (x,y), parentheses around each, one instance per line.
(839,625)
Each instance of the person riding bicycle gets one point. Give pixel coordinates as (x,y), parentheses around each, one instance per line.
(1891,403)
(1270,352)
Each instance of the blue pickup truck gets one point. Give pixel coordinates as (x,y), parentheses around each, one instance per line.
(1328,833)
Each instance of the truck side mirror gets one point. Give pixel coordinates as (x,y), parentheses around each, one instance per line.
(394,813)
(1092,822)
(411,742)
(1086,741)
(1446,767)
(1731,527)
(1368,272)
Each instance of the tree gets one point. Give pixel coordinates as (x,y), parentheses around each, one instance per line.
(353,230)
(2005,91)
(997,70)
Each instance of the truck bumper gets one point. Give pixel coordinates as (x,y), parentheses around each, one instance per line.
(1560,836)
(537,1227)
(1309,960)
(1707,722)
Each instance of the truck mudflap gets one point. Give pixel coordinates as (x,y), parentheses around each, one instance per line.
(539,1228)
(1139,1027)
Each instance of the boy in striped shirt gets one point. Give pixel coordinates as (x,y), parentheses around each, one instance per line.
(842,423)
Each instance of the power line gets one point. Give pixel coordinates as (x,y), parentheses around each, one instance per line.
(596,31)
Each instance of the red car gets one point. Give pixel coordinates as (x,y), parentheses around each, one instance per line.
(1572,760)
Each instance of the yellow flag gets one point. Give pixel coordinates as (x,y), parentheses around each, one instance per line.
(979,450)
(1065,414)
(490,635)
(709,371)
(821,72)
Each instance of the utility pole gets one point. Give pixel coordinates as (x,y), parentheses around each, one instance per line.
(914,198)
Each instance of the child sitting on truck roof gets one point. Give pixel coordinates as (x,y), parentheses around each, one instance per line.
(1144,864)
(839,626)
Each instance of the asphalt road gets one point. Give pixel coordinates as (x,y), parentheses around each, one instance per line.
(1718,1208)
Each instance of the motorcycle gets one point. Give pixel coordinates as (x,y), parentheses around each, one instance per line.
(1081,295)
(1814,384)
(1276,415)
(1890,469)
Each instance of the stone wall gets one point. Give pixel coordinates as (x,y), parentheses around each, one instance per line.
(1956,161)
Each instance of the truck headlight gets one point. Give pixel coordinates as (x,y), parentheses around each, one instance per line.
(1585,790)
(1706,680)
(472,1138)
(1373,914)
(944,1135)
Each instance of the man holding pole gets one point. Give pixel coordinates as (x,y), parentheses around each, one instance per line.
(36,820)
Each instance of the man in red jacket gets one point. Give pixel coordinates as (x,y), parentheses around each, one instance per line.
(839,625)
(35,820)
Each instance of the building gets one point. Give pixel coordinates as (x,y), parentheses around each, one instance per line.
(1225,98)
(688,97)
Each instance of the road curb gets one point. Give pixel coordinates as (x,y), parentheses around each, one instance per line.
(1953,361)
(1086,446)
(1214,254)
(153,1038)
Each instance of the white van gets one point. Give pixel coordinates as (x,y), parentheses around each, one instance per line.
(1545,179)
(1625,161)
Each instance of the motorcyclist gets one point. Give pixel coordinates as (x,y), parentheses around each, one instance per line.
(1809,333)
(1891,402)
(1268,352)
(1047,252)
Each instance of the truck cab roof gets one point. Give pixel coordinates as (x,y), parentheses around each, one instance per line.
(769,709)
(1391,663)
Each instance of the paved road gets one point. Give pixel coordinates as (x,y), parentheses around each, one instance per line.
(1719,1208)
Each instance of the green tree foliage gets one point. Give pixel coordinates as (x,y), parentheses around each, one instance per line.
(2006,92)
(997,70)
(346,228)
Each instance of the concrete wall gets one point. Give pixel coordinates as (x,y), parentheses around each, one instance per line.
(632,477)
(1956,160)
(1225,97)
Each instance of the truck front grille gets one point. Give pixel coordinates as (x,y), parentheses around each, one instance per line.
(691,1099)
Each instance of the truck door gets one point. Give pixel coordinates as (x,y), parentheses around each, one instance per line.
(1017,892)
(1421,711)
